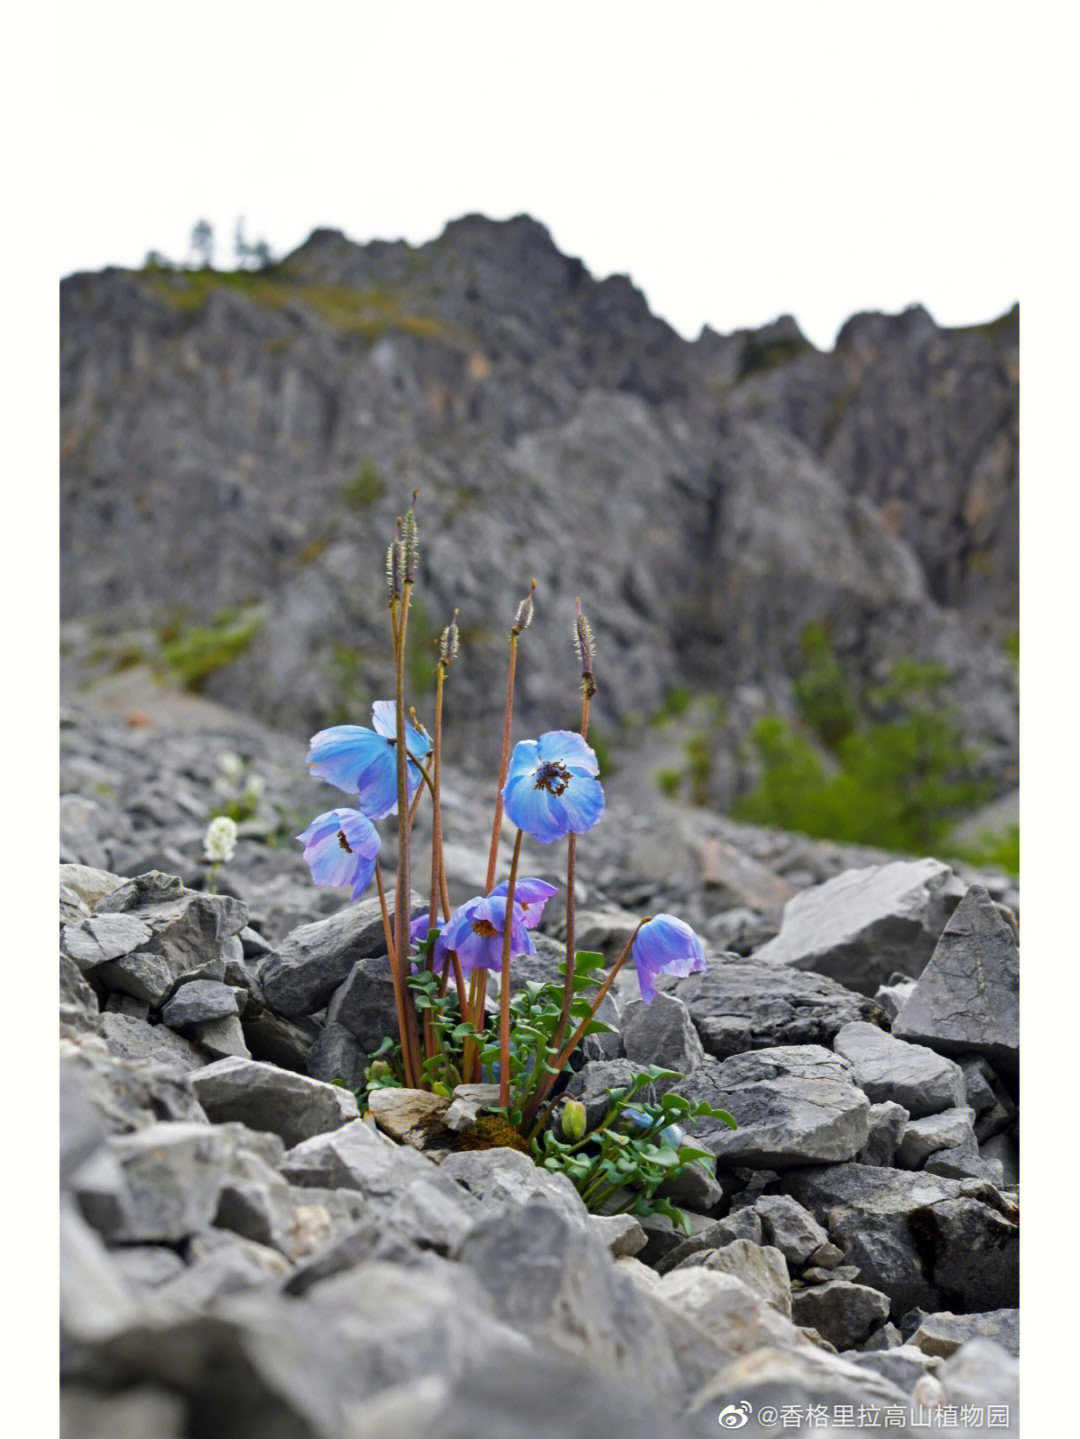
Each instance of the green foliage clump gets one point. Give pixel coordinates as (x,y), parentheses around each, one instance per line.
(898,779)
(822,692)
(619,1165)
(994,851)
(195,652)
(366,486)
(759,354)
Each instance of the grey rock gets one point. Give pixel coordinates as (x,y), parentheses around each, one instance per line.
(622,1233)
(888,1122)
(943,1334)
(336,1057)
(264,1097)
(967,1000)
(902,1365)
(364,1003)
(127,1004)
(354,1156)
(864,924)
(129,1037)
(964,1161)
(86,1413)
(981,1084)
(95,1299)
(77,998)
(197,1000)
(90,885)
(828,1256)
(106,1093)
(841,1312)
(790,1227)
(275,1040)
(982,1373)
(971,1250)
(187,928)
(760,1267)
(220,1264)
(898,1225)
(887,1068)
(893,996)
(302,974)
(143,975)
(741,1004)
(222,1038)
(146,1266)
(160,1184)
(94,941)
(695,1187)
(924,1137)
(661,1033)
(498,1177)
(815,1274)
(794,1105)
(1002,1149)
(739,1224)
(551,1279)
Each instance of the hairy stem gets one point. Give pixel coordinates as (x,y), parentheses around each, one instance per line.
(504,980)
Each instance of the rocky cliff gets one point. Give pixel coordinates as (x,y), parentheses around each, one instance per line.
(242,444)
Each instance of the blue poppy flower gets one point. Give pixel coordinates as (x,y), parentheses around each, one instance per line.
(551,786)
(665,945)
(340,847)
(475,931)
(362,761)
(531,895)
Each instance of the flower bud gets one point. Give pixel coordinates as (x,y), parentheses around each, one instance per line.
(410,544)
(573,1120)
(378,1069)
(523,618)
(586,648)
(395,566)
(448,644)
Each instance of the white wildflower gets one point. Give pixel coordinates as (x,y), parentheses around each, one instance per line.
(219,841)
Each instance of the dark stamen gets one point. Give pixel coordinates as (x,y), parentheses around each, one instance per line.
(484,927)
(346,846)
(553,776)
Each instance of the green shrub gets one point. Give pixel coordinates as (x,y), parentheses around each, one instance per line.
(899,782)
(365,487)
(193,653)
(822,692)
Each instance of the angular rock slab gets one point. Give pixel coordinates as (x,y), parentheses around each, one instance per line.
(188,929)
(271,1099)
(887,1068)
(925,1241)
(302,974)
(841,1312)
(739,1004)
(794,1105)
(943,1334)
(661,1033)
(967,1000)
(863,925)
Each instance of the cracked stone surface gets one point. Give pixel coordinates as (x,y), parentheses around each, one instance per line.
(967,998)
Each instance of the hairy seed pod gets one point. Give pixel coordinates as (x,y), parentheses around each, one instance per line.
(448,644)
(523,618)
(410,544)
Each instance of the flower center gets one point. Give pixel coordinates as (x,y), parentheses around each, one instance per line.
(346,846)
(553,776)
(485,927)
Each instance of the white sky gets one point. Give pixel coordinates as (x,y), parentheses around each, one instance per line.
(737,160)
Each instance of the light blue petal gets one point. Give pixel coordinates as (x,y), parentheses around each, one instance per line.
(525,759)
(583,804)
(568,747)
(319,828)
(361,834)
(340,754)
(534,810)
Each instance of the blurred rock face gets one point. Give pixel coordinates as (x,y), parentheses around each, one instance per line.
(249,440)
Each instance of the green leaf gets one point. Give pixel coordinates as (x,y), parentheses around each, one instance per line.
(692,1156)
(587,959)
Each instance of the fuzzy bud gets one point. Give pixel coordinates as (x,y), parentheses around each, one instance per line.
(572,1120)
(586,648)
(448,644)
(410,543)
(395,566)
(523,618)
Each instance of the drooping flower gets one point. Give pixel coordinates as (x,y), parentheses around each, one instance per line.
(665,945)
(340,847)
(362,762)
(530,895)
(219,842)
(551,786)
(475,931)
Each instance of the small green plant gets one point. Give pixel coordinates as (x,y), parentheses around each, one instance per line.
(619,1165)
(898,780)
(993,851)
(193,654)
(668,781)
(366,486)
(822,692)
